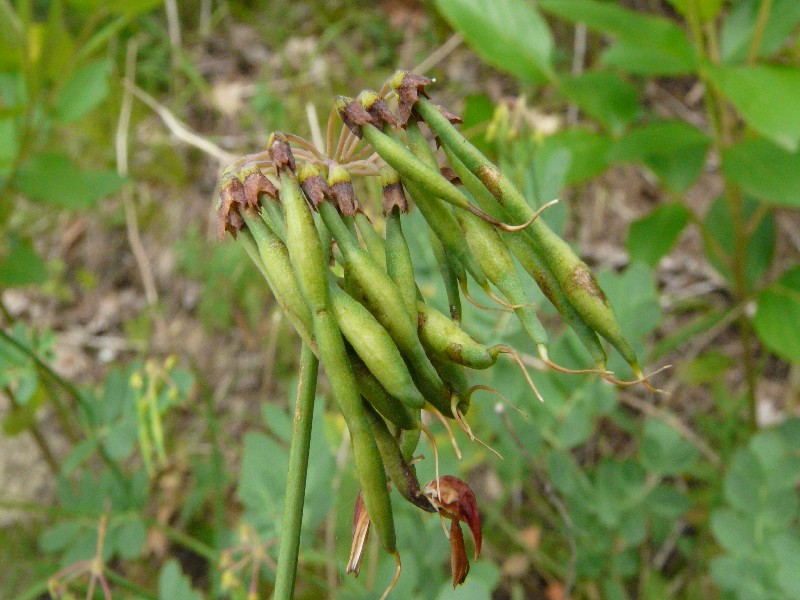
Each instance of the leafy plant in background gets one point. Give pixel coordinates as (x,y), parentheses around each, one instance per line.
(743,54)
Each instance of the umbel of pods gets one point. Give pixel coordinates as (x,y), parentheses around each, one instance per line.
(350,292)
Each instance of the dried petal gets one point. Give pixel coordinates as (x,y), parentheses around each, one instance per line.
(280,152)
(360,532)
(450,116)
(458,502)
(231,200)
(256,183)
(451,176)
(353,114)
(313,184)
(459,563)
(392,194)
(377,108)
(342,190)
(409,87)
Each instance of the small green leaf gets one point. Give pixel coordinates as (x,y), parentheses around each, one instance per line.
(21,266)
(734,531)
(86,88)
(174,585)
(651,237)
(647,45)
(777,320)
(605,96)
(743,482)
(673,150)
(762,94)
(508,34)
(764,170)
(587,152)
(664,451)
(79,453)
(127,539)
(60,536)
(54,179)
(739,26)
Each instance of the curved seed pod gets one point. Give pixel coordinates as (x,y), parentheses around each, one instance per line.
(402,475)
(310,265)
(398,257)
(272,258)
(455,378)
(374,393)
(531,262)
(384,301)
(409,439)
(273,216)
(439,217)
(576,279)
(372,239)
(440,336)
(447,269)
(375,347)
(498,265)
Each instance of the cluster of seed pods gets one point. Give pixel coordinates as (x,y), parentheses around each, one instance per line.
(350,291)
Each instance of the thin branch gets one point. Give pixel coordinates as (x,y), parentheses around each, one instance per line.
(181,131)
(439,54)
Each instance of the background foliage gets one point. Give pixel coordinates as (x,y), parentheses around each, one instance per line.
(144,372)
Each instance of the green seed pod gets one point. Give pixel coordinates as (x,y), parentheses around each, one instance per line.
(375,347)
(531,262)
(372,239)
(409,440)
(498,265)
(438,216)
(402,475)
(441,337)
(384,300)
(448,269)
(374,393)
(310,265)
(576,279)
(271,257)
(398,257)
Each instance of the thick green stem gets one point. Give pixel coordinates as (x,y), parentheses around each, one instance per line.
(296,485)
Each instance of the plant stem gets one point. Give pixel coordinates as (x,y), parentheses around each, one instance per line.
(38,437)
(296,485)
(123,582)
(758,31)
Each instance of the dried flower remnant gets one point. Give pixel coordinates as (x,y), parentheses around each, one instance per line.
(455,500)
(360,533)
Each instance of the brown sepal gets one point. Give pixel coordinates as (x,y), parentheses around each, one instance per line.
(316,190)
(459,563)
(231,200)
(281,153)
(458,502)
(257,183)
(393,197)
(381,114)
(345,197)
(450,116)
(354,115)
(409,89)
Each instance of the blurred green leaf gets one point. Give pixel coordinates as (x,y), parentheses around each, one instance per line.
(760,244)
(86,88)
(664,451)
(673,150)
(787,552)
(21,266)
(127,539)
(174,585)
(587,152)
(764,170)
(762,93)
(647,45)
(78,455)
(743,482)
(604,96)
(777,319)
(508,34)
(60,536)
(55,179)
(739,26)
(706,9)
(734,532)
(651,237)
